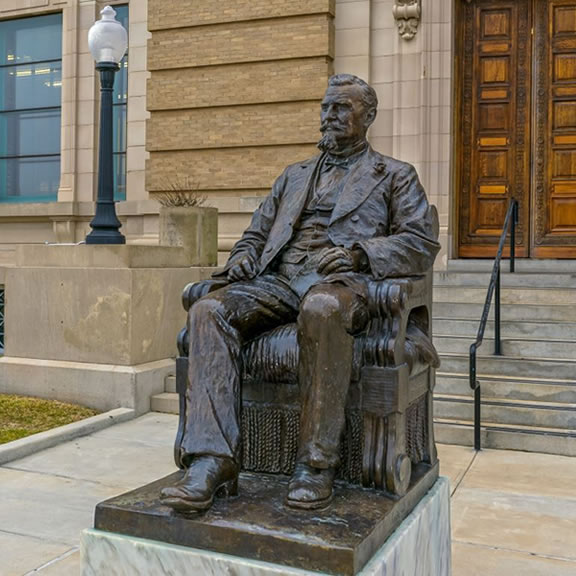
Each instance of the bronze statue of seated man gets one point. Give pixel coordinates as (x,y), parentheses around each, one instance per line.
(331,224)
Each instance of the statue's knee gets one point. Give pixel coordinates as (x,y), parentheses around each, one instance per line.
(206,307)
(320,305)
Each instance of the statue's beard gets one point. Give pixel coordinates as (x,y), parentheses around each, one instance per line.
(335,141)
(328,142)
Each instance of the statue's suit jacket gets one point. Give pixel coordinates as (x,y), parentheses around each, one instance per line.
(382,208)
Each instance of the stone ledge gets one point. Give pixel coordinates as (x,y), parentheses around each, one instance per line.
(43,440)
(105,256)
(103,387)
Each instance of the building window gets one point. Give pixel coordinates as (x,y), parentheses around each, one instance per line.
(30,108)
(120,116)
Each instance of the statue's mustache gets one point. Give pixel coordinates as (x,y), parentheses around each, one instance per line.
(325,126)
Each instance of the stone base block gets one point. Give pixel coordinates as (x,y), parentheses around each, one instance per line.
(420,546)
(100,386)
(116,305)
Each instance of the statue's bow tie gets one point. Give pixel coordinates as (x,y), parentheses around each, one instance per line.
(336,161)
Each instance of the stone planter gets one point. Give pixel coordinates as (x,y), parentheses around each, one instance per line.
(195,228)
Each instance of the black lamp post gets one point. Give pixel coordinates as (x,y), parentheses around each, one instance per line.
(108,41)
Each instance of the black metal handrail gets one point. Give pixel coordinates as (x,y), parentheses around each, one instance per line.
(510,222)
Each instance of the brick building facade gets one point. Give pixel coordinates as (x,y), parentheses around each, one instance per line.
(221,96)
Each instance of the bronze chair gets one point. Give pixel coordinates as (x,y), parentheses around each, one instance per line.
(389,423)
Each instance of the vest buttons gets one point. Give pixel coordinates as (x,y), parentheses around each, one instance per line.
(355,218)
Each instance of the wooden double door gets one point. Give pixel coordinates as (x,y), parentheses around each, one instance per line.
(515,126)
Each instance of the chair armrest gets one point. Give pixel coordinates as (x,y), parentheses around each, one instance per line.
(390,303)
(192,293)
(195,290)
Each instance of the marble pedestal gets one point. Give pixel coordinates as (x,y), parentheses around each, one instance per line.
(420,546)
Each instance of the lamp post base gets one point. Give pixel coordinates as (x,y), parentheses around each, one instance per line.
(105,225)
(105,237)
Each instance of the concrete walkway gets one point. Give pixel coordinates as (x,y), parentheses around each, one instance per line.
(513,513)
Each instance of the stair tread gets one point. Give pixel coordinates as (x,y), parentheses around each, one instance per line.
(511,312)
(509,379)
(510,358)
(503,321)
(440,284)
(508,427)
(503,338)
(523,266)
(490,400)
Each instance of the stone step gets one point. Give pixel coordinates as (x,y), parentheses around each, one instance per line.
(509,312)
(461,432)
(518,367)
(510,412)
(500,437)
(539,348)
(166,402)
(520,412)
(501,387)
(170,384)
(522,265)
(523,347)
(523,296)
(508,280)
(508,328)
(541,389)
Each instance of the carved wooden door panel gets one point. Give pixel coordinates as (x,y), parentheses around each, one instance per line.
(494,140)
(516,125)
(554,166)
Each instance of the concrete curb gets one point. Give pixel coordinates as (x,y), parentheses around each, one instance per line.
(37,442)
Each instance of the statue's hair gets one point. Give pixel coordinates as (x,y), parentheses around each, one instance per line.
(369,98)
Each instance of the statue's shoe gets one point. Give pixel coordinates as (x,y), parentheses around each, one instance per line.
(310,488)
(206,477)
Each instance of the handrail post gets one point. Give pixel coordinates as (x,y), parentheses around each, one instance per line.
(477,418)
(494,287)
(497,345)
(475,385)
(513,236)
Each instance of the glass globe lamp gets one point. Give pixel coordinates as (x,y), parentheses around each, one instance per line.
(108,39)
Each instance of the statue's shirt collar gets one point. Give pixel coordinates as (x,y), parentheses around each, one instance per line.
(345,160)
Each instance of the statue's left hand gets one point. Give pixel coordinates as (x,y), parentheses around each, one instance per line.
(336,259)
(244,268)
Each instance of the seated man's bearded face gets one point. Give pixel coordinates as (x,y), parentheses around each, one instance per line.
(344,119)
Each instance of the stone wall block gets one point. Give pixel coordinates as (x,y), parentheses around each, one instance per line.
(280,39)
(170,14)
(195,228)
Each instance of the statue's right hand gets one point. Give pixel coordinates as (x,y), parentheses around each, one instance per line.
(243,269)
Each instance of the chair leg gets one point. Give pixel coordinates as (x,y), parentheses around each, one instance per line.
(374,452)
(398,465)
(368,451)
(181,386)
(385,464)
(432,454)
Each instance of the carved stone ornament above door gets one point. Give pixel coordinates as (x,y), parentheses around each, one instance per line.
(407,15)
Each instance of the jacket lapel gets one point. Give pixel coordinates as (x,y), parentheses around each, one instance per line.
(299,188)
(364,176)
(293,203)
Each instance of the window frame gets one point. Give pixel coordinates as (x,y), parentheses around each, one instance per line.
(121,155)
(29,196)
